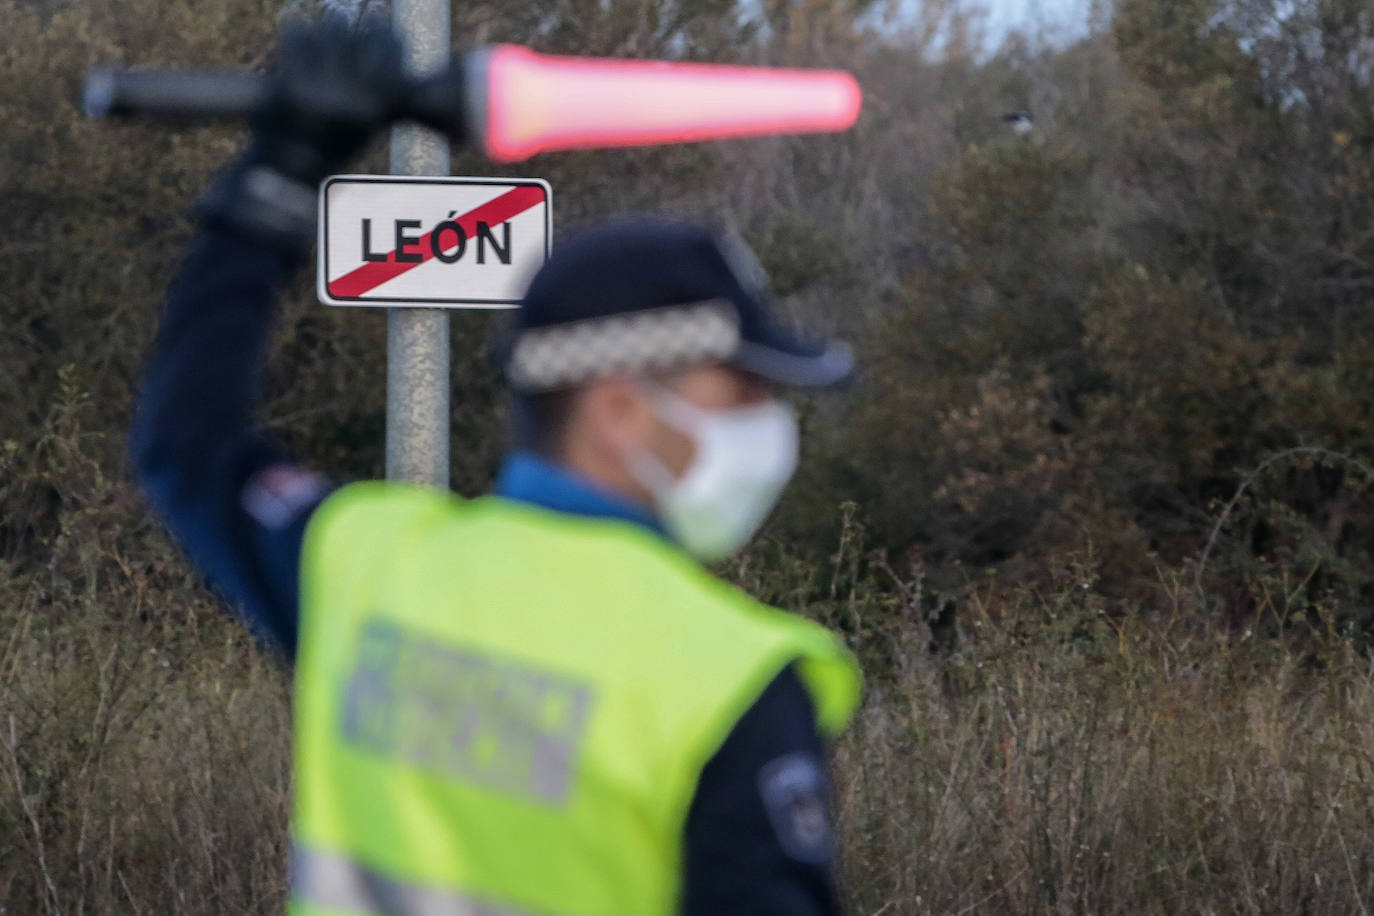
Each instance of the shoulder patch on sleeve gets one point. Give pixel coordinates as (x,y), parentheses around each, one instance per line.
(795,795)
(275,496)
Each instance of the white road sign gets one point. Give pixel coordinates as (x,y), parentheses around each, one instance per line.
(431,242)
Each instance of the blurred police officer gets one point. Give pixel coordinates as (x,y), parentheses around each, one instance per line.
(536,702)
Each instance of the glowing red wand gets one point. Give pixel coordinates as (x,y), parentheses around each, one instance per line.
(532,103)
(514,103)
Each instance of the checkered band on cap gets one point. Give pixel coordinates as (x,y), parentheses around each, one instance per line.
(657,339)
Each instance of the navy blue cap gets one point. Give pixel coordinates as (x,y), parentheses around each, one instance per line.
(657,295)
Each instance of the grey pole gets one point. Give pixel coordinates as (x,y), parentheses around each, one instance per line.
(417,340)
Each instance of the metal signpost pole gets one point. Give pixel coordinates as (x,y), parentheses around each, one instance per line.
(417,345)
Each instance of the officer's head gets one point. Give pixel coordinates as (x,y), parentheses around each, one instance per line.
(646,359)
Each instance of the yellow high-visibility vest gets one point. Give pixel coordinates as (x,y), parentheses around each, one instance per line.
(504,711)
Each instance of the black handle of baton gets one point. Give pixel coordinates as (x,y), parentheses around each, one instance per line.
(436,102)
(207,94)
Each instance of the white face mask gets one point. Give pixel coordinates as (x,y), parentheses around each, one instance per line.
(744,458)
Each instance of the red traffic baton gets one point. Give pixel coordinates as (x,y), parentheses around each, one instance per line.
(513,103)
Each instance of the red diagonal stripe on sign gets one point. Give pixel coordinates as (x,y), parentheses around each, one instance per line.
(362,280)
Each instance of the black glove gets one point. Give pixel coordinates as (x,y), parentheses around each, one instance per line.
(334,87)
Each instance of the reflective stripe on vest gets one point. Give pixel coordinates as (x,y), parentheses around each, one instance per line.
(333,881)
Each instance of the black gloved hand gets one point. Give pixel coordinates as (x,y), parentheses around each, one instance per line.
(334,87)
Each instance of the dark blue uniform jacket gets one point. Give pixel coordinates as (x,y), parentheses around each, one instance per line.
(239,506)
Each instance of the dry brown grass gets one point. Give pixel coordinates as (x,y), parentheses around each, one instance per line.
(1052,751)
(1054,759)
(1062,762)
(143,766)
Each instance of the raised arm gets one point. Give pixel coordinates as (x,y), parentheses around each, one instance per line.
(228,494)
(234,500)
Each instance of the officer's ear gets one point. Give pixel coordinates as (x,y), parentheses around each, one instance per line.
(614,411)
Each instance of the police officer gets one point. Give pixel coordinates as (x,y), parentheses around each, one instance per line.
(539,701)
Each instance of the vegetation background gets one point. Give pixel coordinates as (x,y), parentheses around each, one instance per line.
(1097,516)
